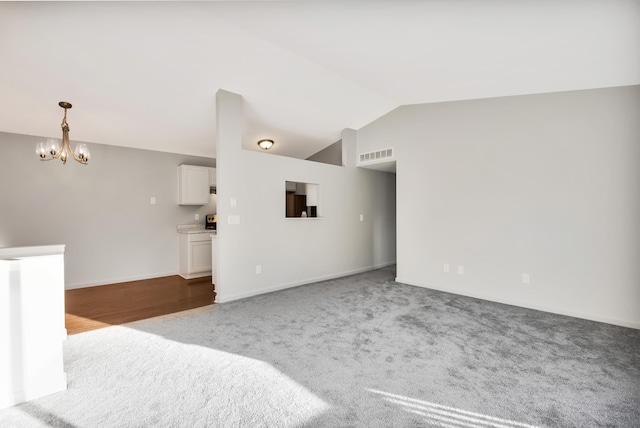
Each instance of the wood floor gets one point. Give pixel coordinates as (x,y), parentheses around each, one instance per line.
(96,307)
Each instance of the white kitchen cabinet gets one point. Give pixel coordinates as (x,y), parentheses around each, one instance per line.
(195,255)
(193,185)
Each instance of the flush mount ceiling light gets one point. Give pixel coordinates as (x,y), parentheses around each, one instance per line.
(265,144)
(53,149)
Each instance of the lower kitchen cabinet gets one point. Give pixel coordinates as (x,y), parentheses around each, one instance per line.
(195,255)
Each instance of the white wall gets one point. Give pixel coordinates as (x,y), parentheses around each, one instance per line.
(547,185)
(292,251)
(100,211)
(331,154)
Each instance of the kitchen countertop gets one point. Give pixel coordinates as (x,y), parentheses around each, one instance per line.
(195,228)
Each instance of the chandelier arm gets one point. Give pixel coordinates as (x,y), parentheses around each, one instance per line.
(73,155)
(67,144)
(65,141)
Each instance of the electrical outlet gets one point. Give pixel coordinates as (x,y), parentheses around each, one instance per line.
(234,203)
(233,219)
(152,201)
(460,270)
(445,268)
(526,279)
(197,216)
(361,217)
(258,269)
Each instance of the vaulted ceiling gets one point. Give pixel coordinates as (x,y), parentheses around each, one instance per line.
(145,74)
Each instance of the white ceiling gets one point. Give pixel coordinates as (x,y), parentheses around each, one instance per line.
(144,75)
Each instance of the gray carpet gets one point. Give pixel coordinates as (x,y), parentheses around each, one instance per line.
(361,351)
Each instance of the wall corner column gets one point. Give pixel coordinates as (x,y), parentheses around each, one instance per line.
(349,147)
(228,152)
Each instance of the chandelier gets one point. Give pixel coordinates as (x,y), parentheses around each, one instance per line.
(53,149)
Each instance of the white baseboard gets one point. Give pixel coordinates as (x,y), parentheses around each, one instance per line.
(161,274)
(514,302)
(195,275)
(384,264)
(48,384)
(222,298)
(119,280)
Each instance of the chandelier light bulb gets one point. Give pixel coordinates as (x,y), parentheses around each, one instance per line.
(54,146)
(41,150)
(82,152)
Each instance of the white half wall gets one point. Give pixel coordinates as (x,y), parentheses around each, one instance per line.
(31,323)
(101,211)
(293,251)
(546,185)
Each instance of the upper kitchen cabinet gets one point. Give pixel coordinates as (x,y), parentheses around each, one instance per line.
(193,184)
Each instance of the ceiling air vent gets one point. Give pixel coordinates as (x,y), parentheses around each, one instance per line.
(377,156)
